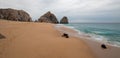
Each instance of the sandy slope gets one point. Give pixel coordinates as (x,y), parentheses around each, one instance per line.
(38,40)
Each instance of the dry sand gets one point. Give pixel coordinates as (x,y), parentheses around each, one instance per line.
(39,40)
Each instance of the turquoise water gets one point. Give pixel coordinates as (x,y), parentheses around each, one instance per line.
(108,31)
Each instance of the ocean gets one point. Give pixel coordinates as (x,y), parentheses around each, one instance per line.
(99,31)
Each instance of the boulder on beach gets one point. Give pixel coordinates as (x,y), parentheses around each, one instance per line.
(48,18)
(64,20)
(14,15)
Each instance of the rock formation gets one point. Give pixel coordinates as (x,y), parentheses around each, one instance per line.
(64,20)
(36,21)
(48,18)
(15,15)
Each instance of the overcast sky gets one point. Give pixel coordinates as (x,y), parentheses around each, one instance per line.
(75,10)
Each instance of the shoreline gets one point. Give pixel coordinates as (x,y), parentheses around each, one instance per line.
(110,52)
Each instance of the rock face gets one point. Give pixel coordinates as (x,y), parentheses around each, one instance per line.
(48,18)
(15,15)
(64,20)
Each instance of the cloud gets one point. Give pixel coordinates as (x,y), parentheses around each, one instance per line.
(76,10)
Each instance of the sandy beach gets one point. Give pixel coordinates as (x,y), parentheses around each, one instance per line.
(39,40)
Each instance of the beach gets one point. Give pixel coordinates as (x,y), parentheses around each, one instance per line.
(112,51)
(39,40)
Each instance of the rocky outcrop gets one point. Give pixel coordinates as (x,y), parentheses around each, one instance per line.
(64,20)
(48,18)
(15,15)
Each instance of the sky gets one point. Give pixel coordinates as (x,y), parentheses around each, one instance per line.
(76,10)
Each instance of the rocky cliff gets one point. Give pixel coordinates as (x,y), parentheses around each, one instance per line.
(64,20)
(15,15)
(48,18)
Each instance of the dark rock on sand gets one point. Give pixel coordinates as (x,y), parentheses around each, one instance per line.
(103,46)
(15,15)
(64,20)
(48,18)
(65,35)
(1,36)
